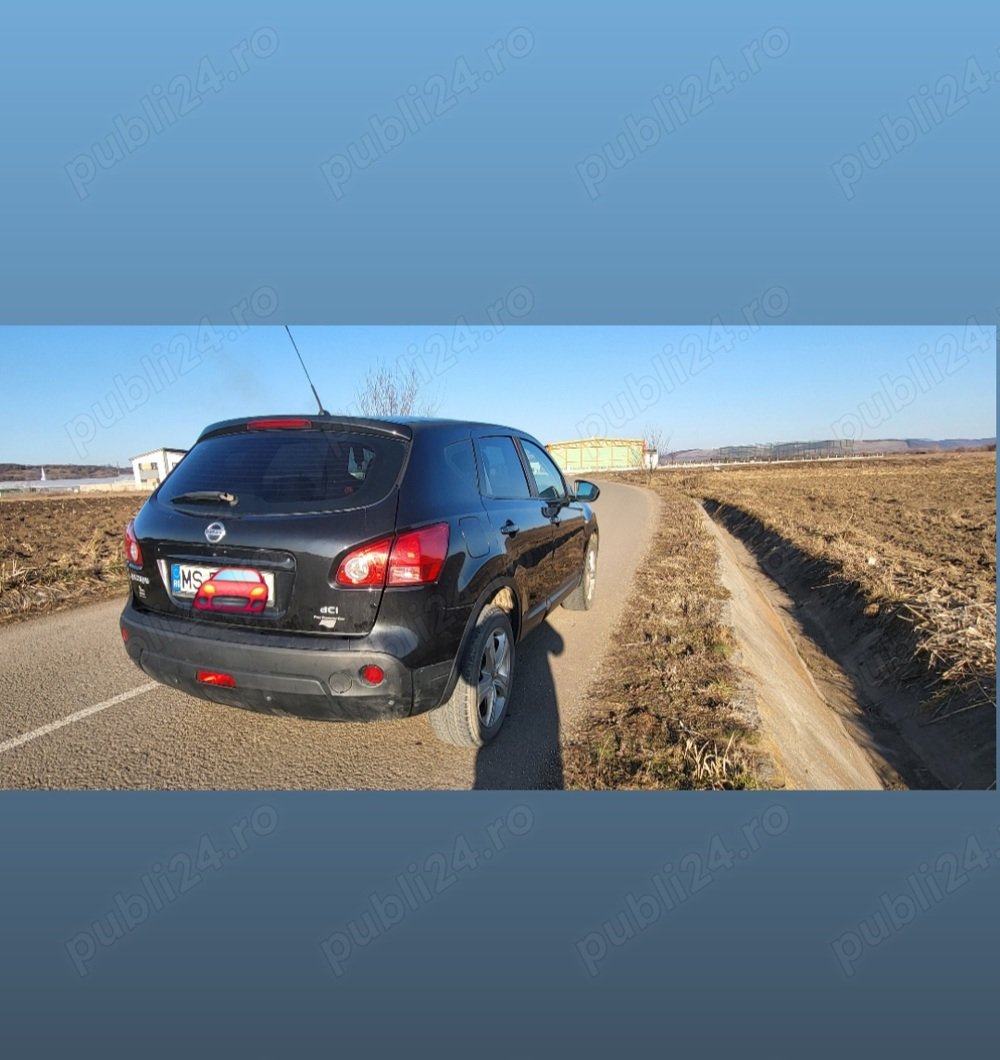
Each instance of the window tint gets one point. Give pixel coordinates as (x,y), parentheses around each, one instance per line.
(461,463)
(547,478)
(274,472)
(503,475)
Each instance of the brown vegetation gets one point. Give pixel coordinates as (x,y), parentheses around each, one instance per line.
(672,715)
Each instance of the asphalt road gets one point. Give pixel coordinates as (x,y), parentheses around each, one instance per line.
(76,713)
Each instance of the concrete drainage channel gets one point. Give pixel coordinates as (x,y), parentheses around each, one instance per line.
(827,720)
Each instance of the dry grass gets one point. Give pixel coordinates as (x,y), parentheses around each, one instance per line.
(670,690)
(916,535)
(58,551)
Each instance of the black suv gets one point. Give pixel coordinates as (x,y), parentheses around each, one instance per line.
(349,568)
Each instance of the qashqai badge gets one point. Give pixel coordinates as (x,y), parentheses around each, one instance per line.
(214,533)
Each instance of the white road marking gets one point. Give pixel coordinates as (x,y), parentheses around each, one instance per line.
(17,741)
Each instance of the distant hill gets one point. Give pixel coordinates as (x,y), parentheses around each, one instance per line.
(828,447)
(33,472)
(948,443)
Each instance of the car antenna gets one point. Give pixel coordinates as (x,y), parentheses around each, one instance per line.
(322,411)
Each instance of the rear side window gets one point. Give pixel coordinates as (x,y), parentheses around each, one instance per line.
(503,474)
(460,461)
(275,472)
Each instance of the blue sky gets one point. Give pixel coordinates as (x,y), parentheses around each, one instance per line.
(103,394)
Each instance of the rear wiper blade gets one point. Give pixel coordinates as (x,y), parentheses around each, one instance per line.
(206,497)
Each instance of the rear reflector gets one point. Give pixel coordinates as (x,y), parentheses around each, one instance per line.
(372,675)
(279,425)
(211,677)
(125,634)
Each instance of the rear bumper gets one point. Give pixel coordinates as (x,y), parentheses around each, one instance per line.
(279,675)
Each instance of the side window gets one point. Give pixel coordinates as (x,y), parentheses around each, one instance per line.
(503,475)
(547,477)
(460,461)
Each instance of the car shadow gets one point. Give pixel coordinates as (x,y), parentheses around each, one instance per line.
(526,753)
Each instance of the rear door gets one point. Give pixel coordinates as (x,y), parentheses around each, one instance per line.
(289,503)
(516,517)
(567,522)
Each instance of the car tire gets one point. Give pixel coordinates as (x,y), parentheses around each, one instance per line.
(476,709)
(582,597)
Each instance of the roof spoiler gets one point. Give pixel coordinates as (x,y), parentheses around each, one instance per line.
(383,428)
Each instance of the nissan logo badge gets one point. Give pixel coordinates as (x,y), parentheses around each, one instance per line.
(215,533)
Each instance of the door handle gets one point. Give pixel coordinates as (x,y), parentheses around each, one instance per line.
(509,528)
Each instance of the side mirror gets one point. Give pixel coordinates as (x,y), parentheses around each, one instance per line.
(586,491)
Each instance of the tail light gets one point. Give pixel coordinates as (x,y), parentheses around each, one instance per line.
(365,566)
(133,554)
(413,558)
(417,557)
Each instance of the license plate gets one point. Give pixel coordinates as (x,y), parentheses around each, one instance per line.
(186,580)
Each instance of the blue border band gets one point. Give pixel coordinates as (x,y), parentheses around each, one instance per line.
(624,164)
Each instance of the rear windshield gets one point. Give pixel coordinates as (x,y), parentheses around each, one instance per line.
(282,471)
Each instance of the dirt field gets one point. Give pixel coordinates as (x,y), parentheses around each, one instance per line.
(58,551)
(916,535)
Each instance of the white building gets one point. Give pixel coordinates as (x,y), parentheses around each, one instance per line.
(150,469)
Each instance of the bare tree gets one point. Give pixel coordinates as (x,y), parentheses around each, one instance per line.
(393,392)
(654,441)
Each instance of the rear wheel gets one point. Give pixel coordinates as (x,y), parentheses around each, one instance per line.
(582,597)
(474,712)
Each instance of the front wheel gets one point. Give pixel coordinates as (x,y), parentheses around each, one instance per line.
(582,597)
(474,712)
